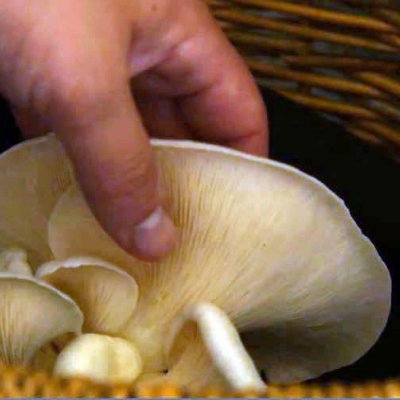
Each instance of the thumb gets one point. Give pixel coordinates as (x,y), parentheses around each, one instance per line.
(113,162)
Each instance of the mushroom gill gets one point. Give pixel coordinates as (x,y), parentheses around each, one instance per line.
(106,294)
(32,314)
(33,175)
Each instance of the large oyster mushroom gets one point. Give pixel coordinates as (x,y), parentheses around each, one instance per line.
(265,250)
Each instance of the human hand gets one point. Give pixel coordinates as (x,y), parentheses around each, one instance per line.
(105,75)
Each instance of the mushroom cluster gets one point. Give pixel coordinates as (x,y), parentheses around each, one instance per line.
(265,250)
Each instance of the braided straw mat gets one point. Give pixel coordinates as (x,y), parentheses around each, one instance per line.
(24,382)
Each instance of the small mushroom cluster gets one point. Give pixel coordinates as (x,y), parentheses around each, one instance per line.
(265,251)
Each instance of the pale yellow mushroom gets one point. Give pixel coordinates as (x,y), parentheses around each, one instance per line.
(273,249)
(32,313)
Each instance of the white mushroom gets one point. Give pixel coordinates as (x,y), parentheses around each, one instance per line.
(32,314)
(100,358)
(274,250)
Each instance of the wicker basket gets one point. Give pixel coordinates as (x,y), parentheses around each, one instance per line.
(338,57)
(22,382)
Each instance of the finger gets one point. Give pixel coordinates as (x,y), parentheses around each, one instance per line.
(112,156)
(162,117)
(29,123)
(217,96)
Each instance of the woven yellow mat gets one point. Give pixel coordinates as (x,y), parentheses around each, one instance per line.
(24,382)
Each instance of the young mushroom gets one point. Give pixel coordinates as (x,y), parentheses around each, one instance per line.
(107,297)
(32,314)
(15,261)
(265,250)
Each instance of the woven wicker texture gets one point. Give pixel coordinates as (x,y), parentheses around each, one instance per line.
(21,382)
(340,58)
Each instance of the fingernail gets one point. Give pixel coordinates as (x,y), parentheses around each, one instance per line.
(156,236)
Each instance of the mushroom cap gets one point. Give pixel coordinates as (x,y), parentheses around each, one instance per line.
(106,294)
(273,248)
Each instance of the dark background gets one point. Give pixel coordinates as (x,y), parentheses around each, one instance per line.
(364,177)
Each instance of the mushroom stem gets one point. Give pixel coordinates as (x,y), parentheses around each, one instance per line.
(224,346)
(100,358)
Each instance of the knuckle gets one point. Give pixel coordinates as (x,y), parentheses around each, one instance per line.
(70,92)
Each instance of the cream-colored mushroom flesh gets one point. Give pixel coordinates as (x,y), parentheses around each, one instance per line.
(106,294)
(32,313)
(271,247)
(32,176)
(100,358)
(15,261)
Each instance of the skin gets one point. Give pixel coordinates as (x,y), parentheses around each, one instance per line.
(106,75)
